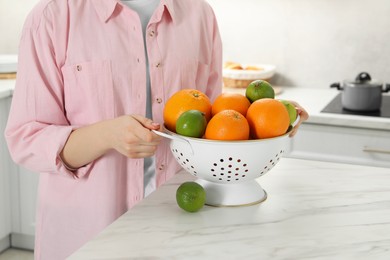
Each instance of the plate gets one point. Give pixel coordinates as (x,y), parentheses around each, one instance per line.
(267,72)
(8,63)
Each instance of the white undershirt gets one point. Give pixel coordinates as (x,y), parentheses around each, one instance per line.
(145,10)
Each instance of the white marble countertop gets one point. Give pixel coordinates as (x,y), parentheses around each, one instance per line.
(314,210)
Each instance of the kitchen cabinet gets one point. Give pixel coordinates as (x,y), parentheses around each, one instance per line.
(346,138)
(5,179)
(18,192)
(23,211)
(342,144)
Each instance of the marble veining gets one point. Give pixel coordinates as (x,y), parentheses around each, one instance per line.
(314,210)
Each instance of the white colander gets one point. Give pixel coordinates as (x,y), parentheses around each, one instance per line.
(228,169)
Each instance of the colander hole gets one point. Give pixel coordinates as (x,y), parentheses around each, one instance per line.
(220,179)
(239,160)
(187,160)
(244,165)
(230,158)
(181,154)
(246,170)
(270,161)
(265,167)
(229,171)
(212,170)
(222,168)
(243,175)
(222,174)
(221,160)
(230,166)
(237,169)
(215,164)
(214,175)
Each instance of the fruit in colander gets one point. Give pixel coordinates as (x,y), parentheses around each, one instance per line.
(184,100)
(191,123)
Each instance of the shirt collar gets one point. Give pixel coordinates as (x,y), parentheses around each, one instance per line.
(105,8)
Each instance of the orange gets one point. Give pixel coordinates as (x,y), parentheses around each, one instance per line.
(184,100)
(267,118)
(234,101)
(227,125)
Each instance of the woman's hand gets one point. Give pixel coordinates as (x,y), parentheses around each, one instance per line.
(302,114)
(131,136)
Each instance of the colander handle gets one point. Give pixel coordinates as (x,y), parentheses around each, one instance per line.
(175,138)
(166,135)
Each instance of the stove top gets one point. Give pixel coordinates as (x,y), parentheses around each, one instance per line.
(336,107)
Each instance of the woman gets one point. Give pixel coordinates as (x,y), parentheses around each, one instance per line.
(93,78)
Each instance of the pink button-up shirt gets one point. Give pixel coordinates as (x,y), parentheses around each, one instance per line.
(82,61)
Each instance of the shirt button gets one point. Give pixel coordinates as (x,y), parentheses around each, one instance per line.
(151,33)
(79,68)
(158,65)
(159,100)
(161,167)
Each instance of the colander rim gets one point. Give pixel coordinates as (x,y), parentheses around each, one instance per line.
(203,140)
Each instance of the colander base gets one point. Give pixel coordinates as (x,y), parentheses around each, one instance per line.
(231,195)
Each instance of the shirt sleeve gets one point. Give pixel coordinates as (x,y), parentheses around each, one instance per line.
(37,127)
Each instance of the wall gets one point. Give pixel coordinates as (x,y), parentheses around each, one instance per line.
(312,42)
(12,16)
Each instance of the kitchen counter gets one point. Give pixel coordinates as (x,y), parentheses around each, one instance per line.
(314,210)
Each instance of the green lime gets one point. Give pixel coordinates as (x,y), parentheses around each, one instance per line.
(190,196)
(191,123)
(292,112)
(259,89)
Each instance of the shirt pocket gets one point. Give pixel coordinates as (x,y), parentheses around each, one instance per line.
(194,74)
(88,92)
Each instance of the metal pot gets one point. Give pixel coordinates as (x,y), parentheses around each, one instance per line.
(362,94)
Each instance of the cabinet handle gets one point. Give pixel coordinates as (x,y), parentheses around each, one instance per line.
(368,149)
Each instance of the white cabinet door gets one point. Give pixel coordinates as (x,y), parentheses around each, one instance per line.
(6,170)
(342,144)
(18,194)
(24,196)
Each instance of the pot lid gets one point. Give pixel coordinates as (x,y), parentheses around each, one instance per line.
(363,79)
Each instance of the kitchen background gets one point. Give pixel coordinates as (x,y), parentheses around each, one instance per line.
(312,42)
